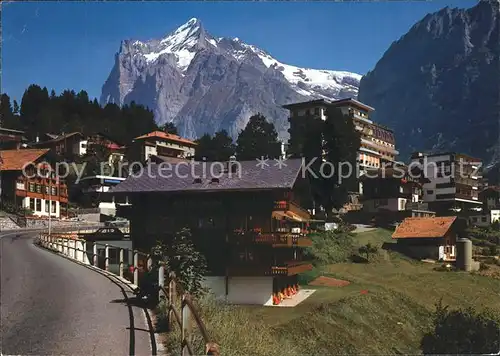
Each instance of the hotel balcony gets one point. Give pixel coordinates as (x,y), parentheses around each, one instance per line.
(274,239)
(379,146)
(364,149)
(364,119)
(286,269)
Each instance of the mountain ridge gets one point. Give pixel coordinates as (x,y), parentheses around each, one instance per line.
(438,85)
(203,83)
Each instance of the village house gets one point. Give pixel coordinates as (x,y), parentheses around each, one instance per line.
(428,237)
(395,192)
(486,218)
(490,197)
(161,144)
(95,193)
(248,221)
(101,140)
(66,145)
(11,139)
(39,190)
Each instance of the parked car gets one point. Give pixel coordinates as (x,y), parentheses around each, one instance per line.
(105,233)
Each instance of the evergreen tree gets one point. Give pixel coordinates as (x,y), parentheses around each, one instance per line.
(334,140)
(204,149)
(223,146)
(15,109)
(71,111)
(217,148)
(258,139)
(6,112)
(169,127)
(33,101)
(341,142)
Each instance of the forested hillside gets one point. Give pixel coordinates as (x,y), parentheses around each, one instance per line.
(41,112)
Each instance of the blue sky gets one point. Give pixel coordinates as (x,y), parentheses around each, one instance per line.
(65,45)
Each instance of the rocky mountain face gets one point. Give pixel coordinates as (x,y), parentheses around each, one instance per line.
(438,86)
(203,84)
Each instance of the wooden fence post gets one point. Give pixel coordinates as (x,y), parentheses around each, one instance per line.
(84,251)
(136,267)
(161,281)
(186,326)
(121,262)
(106,257)
(94,254)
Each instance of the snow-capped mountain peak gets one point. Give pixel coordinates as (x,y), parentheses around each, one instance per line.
(204,83)
(183,43)
(189,38)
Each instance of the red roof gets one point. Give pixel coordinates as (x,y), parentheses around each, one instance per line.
(114,146)
(16,160)
(166,136)
(428,227)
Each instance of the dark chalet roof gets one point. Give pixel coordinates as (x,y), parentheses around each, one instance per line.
(252,177)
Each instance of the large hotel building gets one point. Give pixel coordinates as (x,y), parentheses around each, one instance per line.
(378,145)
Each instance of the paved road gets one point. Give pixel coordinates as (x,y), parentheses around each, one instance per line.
(52,306)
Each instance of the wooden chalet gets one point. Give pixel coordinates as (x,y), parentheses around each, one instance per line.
(249,222)
(28,180)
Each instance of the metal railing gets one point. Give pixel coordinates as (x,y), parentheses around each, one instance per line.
(72,246)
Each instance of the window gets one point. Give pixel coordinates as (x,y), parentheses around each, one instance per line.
(47,206)
(38,188)
(430,191)
(54,207)
(316,111)
(38,203)
(474,219)
(46,189)
(32,204)
(483,219)
(32,187)
(53,191)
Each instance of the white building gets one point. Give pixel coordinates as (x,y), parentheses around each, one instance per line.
(453,180)
(97,187)
(159,143)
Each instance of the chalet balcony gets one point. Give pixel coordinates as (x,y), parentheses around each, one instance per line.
(274,239)
(285,269)
(290,210)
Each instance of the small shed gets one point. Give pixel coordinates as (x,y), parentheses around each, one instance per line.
(428,237)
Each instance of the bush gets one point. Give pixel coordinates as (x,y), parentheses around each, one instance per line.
(330,247)
(181,257)
(463,331)
(368,250)
(483,266)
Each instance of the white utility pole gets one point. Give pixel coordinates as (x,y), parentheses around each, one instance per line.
(50,202)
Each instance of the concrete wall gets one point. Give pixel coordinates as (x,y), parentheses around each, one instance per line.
(242,290)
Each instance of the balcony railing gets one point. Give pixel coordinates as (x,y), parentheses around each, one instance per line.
(285,269)
(283,205)
(275,239)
